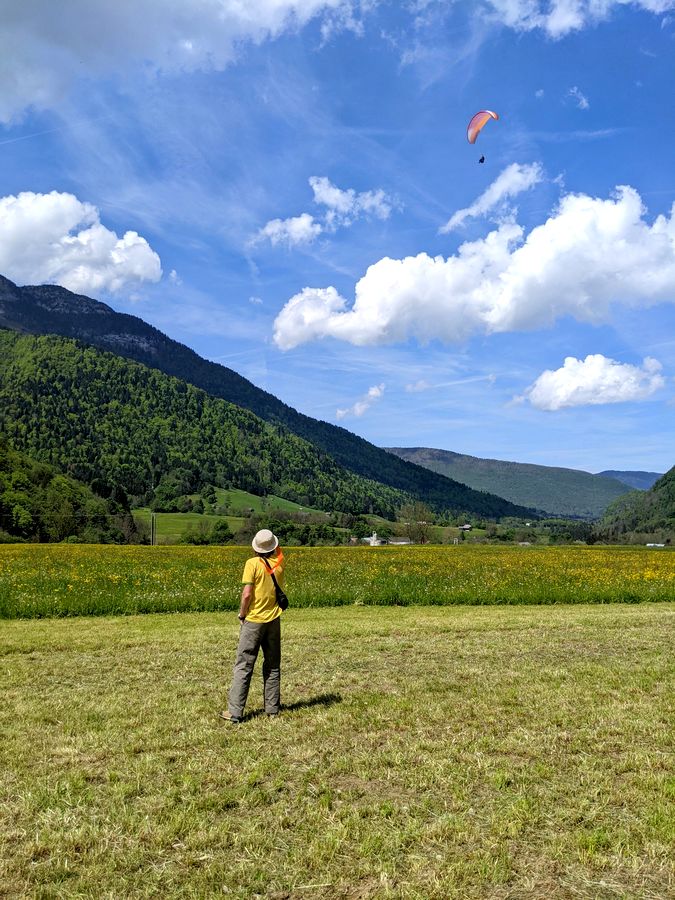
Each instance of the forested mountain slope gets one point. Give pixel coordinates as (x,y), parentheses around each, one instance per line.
(48,309)
(39,503)
(557,491)
(111,422)
(644,512)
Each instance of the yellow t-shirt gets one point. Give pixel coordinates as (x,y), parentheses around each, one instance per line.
(263,606)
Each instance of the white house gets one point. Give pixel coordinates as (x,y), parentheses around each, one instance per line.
(374,540)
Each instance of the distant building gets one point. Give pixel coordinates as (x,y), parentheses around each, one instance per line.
(374,540)
(466,527)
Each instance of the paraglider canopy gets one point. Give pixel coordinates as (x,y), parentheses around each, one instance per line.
(477,123)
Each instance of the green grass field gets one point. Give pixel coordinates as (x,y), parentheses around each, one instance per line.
(172,526)
(436,752)
(243,501)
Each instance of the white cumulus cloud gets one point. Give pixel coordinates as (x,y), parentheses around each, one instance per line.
(45,46)
(589,254)
(592,381)
(297,230)
(361,406)
(560,17)
(512,181)
(343,208)
(56,238)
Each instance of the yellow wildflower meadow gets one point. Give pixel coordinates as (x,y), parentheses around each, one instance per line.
(39,580)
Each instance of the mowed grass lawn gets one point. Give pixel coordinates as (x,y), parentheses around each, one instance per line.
(423,752)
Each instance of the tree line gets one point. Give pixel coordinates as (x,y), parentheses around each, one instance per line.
(38,503)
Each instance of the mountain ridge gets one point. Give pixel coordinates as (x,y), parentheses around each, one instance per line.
(50,309)
(557,491)
(636,480)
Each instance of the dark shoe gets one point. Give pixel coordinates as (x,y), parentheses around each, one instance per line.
(227,715)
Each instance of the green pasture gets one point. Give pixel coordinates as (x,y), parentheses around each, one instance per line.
(244,502)
(172,526)
(39,580)
(425,753)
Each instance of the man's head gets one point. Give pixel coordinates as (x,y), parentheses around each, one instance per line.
(264,542)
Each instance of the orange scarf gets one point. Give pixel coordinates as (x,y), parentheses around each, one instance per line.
(270,568)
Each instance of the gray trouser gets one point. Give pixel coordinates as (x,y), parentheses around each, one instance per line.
(253,636)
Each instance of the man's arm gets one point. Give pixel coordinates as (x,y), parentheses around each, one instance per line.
(245,602)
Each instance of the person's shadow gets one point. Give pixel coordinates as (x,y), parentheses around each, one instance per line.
(320,700)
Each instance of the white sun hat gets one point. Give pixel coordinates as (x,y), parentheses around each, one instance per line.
(265,541)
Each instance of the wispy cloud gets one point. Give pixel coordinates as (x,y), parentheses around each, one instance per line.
(422,385)
(580,99)
(578,134)
(361,406)
(512,181)
(417,387)
(561,17)
(44,53)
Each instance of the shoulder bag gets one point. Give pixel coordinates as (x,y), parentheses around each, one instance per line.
(281,598)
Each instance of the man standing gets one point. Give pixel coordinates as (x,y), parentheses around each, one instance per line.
(259,615)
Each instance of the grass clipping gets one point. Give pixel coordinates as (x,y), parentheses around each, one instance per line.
(422,752)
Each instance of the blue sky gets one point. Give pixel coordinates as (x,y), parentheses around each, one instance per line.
(286,187)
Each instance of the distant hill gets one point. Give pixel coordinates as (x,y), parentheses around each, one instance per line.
(649,512)
(638,481)
(555,491)
(48,309)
